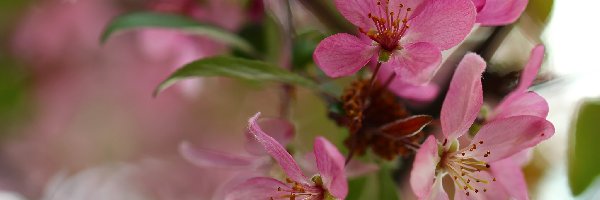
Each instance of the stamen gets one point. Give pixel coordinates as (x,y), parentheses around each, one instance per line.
(390,26)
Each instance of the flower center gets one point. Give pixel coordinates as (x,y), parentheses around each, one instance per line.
(297,191)
(467,170)
(390,26)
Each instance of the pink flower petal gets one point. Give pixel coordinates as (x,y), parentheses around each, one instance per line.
(437,190)
(280,129)
(357,11)
(209,158)
(518,103)
(464,98)
(259,188)
(343,54)
(510,176)
(416,63)
(508,136)
(501,12)
(443,23)
(423,170)
(330,163)
(479,4)
(398,86)
(278,152)
(531,69)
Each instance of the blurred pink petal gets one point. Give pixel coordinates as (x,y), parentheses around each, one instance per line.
(210,158)
(500,12)
(521,103)
(278,152)
(280,129)
(330,163)
(531,68)
(511,178)
(464,98)
(422,174)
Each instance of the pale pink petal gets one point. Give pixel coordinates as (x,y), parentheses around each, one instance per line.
(259,188)
(423,170)
(518,103)
(330,163)
(209,158)
(398,86)
(509,174)
(464,98)
(531,69)
(343,54)
(501,12)
(508,136)
(357,168)
(357,11)
(416,63)
(280,129)
(437,190)
(278,152)
(523,157)
(443,23)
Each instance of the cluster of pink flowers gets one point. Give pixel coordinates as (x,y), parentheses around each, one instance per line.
(402,42)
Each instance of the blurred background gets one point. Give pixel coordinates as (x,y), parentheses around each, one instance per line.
(78,120)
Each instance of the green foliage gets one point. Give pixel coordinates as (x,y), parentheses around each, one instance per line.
(236,68)
(378,185)
(169,21)
(584,160)
(303,48)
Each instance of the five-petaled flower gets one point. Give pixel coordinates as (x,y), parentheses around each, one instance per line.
(474,169)
(407,35)
(330,183)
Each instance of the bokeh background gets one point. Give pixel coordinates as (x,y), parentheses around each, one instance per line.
(78,120)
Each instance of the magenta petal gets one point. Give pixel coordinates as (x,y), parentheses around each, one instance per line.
(278,152)
(444,23)
(464,98)
(508,136)
(259,188)
(209,158)
(280,129)
(423,170)
(398,86)
(531,69)
(416,63)
(518,103)
(330,164)
(501,12)
(343,54)
(357,11)
(510,176)
(479,4)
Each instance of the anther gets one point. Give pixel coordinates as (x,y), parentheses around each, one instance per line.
(467,193)
(481,142)
(476,191)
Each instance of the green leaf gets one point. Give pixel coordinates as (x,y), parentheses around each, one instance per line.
(387,187)
(178,22)
(235,68)
(584,157)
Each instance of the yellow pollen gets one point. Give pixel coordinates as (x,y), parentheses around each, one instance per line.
(390,25)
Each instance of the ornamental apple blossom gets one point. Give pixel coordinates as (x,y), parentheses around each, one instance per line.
(474,169)
(407,35)
(329,183)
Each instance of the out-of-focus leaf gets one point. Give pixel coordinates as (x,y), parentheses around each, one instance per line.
(235,68)
(540,9)
(387,186)
(304,46)
(177,22)
(13,95)
(356,188)
(584,151)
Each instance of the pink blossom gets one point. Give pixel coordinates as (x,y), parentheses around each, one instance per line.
(411,32)
(330,182)
(521,101)
(477,170)
(419,93)
(255,157)
(499,12)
